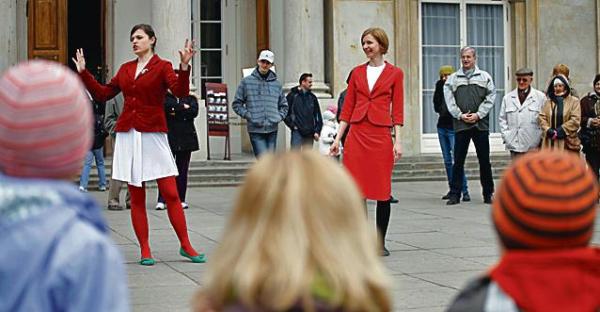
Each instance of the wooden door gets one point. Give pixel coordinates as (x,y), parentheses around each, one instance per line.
(47,30)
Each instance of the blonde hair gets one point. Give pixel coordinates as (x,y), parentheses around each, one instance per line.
(298,218)
(561,69)
(379,35)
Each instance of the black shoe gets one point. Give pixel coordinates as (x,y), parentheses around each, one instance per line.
(466,197)
(446,197)
(393,200)
(385,252)
(453,200)
(487,199)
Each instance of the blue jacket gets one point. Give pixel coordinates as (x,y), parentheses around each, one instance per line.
(261,102)
(56,253)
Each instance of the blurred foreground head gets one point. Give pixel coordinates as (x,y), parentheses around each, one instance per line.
(546,200)
(45,121)
(297,237)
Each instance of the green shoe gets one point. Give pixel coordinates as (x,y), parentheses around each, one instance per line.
(201,258)
(147,261)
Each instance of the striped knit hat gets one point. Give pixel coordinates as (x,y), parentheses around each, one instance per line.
(546,200)
(45,121)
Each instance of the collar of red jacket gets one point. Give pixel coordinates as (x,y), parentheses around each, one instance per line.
(559,280)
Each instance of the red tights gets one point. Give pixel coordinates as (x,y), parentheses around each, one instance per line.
(168,188)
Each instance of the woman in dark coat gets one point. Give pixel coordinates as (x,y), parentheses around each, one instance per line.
(590,126)
(183,139)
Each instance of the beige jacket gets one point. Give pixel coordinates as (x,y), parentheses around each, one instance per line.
(571,120)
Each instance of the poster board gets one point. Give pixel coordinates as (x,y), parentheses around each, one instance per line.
(217,116)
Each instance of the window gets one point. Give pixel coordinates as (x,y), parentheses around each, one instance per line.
(207,32)
(445,28)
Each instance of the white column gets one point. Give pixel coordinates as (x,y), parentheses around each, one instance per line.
(171,20)
(304,44)
(8,34)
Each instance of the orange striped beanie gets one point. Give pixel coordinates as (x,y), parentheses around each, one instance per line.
(45,121)
(546,200)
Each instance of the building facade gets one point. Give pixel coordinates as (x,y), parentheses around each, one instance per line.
(321,37)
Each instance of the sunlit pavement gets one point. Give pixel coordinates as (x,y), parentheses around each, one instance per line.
(435,249)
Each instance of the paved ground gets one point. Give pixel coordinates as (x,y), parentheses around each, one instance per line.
(435,249)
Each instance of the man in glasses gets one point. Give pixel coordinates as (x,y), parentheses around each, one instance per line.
(518,115)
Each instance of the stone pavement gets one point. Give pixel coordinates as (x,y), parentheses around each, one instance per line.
(435,249)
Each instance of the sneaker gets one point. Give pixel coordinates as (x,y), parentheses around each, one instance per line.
(184,205)
(82,189)
(161,206)
(393,200)
(466,197)
(453,200)
(114,207)
(385,252)
(102,188)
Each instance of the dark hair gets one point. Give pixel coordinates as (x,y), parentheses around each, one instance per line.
(349,76)
(147,29)
(303,77)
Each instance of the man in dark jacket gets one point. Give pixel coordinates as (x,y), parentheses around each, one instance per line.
(304,114)
(445,129)
(183,140)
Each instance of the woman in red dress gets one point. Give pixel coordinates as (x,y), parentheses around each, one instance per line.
(374,105)
(142,150)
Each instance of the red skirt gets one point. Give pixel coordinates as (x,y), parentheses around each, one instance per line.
(369,157)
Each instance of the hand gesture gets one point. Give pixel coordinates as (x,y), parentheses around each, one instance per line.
(186,54)
(79,60)
(397,151)
(334,149)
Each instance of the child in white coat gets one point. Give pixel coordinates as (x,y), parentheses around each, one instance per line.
(329,130)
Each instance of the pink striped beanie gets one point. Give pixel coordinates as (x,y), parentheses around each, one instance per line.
(45,121)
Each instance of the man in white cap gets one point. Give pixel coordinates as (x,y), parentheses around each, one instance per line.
(260,100)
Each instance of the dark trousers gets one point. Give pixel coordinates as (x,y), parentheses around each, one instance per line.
(593,160)
(182,160)
(482,147)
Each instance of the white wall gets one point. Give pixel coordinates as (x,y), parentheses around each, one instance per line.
(128,13)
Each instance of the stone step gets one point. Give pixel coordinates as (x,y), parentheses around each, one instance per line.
(417,168)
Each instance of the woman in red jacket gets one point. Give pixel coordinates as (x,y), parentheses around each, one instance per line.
(142,150)
(374,105)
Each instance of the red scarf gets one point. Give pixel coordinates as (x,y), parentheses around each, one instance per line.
(555,280)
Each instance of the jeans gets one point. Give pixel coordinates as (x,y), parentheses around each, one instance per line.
(300,142)
(182,160)
(263,142)
(446,137)
(482,148)
(87,166)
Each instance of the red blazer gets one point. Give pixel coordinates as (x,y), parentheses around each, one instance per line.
(144,105)
(389,88)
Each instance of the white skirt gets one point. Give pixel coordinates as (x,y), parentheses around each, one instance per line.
(142,156)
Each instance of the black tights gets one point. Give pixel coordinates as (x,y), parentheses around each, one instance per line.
(382,218)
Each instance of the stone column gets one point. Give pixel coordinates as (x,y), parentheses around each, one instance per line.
(8,34)
(304,44)
(171,20)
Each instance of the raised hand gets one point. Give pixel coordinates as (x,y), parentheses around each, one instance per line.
(186,54)
(79,60)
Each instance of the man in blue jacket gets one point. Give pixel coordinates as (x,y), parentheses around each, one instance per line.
(304,114)
(259,99)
